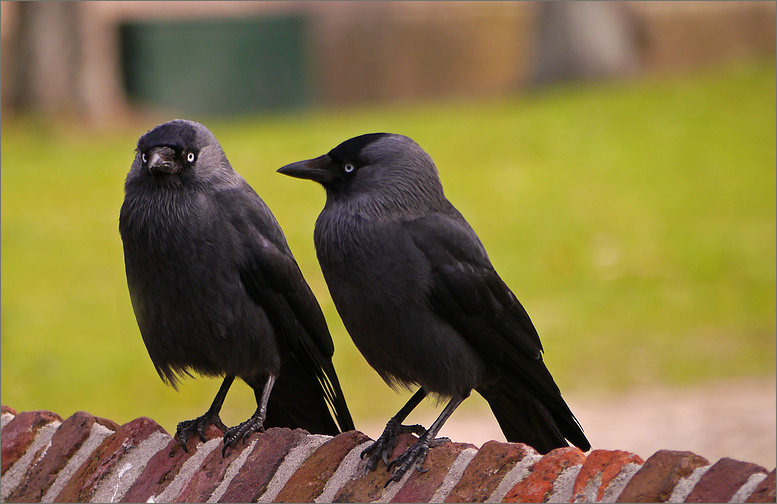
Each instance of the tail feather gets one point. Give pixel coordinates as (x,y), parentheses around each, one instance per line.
(525,419)
(298,400)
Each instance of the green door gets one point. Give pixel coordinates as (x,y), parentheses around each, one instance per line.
(216,67)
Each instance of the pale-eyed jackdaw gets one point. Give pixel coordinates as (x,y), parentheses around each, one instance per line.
(216,290)
(421,300)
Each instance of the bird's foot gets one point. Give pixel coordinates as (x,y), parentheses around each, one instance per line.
(198,425)
(414,455)
(384,446)
(241,432)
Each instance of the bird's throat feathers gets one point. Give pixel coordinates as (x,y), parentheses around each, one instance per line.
(382,206)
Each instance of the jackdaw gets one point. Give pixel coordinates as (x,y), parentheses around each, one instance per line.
(216,289)
(421,300)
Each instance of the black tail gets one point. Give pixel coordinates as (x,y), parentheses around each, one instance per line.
(299,399)
(526,419)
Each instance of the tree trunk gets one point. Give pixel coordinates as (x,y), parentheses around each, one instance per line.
(44,72)
(584,40)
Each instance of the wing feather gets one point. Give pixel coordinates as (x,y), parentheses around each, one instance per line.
(467,292)
(272,278)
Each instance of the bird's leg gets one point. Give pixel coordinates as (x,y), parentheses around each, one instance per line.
(211,417)
(416,454)
(253,424)
(385,444)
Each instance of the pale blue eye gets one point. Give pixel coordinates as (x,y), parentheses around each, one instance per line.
(190,157)
(348,168)
(143,157)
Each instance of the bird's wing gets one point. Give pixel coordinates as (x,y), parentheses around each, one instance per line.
(274,281)
(270,272)
(466,291)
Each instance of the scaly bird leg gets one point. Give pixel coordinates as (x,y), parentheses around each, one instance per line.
(387,441)
(416,454)
(211,417)
(253,424)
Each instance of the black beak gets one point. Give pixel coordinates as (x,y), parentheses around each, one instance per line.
(318,170)
(162,161)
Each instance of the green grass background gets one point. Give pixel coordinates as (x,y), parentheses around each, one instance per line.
(635,221)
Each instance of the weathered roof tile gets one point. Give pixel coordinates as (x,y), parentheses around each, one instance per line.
(539,485)
(369,487)
(164,467)
(65,442)
(657,478)
(489,467)
(100,466)
(309,480)
(20,433)
(722,480)
(765,491)
(262,462)
(87,458)
(601,467)
(421,486)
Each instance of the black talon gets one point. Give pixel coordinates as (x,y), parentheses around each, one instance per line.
(381,448)
(198,425)
(211,417)
(386,456)
(384,446)
(240,433)
(414,455)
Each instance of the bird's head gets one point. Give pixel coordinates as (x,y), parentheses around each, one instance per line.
(381,172)
(180,153)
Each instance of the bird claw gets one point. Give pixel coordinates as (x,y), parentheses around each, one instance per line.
(414,455)
(240,433)
(384,446)
(380,449)
(198,425)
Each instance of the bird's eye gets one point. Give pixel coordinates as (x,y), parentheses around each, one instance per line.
(348,168)
(190,157)
(143,157)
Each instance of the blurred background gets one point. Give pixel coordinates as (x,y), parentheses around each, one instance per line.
(617,160)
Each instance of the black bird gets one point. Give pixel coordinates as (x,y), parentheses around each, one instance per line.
(216,290)
(421,300)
